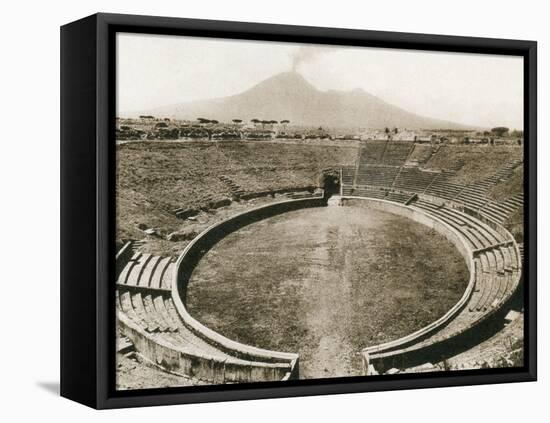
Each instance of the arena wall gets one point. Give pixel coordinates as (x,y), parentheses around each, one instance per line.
(196,249)
(274,365)
(174,359)
(450,234)
(402,350)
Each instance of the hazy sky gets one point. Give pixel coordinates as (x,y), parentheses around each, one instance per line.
(481,90)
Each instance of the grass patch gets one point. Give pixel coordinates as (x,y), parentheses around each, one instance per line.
(473,163)
(508,188)
(155,178)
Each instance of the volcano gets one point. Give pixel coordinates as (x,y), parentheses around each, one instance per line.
(290,96)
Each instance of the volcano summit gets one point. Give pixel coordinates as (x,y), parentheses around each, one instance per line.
(290,96)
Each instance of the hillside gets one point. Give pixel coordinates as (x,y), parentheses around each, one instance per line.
(290,96)
(155,178)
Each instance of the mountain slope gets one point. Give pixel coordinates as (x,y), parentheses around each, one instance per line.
(289,96)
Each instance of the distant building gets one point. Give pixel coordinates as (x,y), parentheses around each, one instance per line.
(405,135)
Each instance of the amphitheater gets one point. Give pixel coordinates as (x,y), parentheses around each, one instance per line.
(420,182)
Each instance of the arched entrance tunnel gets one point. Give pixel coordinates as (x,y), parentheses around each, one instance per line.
(329,180)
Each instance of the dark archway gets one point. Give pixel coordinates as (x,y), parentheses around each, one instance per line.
(329,180)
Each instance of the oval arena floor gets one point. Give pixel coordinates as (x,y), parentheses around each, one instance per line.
(326,282)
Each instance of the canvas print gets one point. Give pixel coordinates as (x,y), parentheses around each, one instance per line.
(295,211)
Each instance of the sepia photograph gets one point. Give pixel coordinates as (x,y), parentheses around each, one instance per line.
(290,211)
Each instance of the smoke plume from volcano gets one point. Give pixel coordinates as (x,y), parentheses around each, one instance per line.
(307,54)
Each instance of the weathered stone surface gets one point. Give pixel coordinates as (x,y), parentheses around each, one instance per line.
(511,316)
(372,371)
(425,367)
(142,226)
(184,235)
(186,213)
(150,232)
(124,345)
(221,202)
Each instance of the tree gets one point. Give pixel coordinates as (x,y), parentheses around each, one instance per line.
(255,121)
(500,131)
(237,121)
(395,130)
(387,130)
(516,133)
(214,121)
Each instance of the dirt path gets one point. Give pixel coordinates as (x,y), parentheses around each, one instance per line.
(330,316)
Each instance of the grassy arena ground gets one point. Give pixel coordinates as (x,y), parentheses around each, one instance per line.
(325,283)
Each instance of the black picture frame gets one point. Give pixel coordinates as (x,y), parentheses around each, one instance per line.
(88,218)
